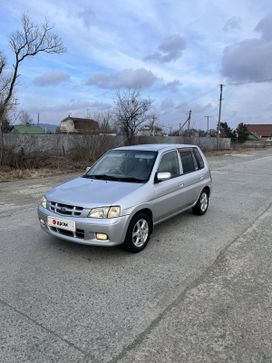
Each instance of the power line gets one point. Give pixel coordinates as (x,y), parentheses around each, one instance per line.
(200,96)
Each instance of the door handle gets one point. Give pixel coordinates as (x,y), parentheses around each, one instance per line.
(181,185)
(202,177)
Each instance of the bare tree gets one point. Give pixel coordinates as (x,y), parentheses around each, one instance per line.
(4,85)
(25,118)
(152,124)
(131,111)
(105,120)
(28,42)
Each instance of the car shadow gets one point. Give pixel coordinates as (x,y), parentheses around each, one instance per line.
(97,252)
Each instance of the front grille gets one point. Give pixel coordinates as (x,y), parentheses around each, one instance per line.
(79,233)
(65,209)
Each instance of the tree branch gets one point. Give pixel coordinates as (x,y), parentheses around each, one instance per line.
(28,42)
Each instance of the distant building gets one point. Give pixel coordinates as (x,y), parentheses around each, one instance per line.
(79,125)
(27,129)
(149,130)
(48,128)
(262,131)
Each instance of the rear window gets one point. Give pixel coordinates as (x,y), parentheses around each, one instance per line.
(199,160)
(188,162)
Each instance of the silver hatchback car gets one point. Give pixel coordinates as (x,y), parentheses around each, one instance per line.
(126,193)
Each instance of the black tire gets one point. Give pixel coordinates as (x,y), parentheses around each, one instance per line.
(137,221)
(202,204)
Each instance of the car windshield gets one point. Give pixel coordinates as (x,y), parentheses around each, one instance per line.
(123,165)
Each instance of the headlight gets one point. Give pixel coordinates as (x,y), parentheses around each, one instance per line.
(43,202)
(105,212)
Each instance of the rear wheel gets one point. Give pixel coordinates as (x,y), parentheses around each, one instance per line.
(202,204)
(138,233)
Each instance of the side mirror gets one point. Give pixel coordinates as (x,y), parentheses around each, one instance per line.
(161,176)
(87,169)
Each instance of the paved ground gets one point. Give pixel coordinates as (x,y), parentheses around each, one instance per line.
(200,292)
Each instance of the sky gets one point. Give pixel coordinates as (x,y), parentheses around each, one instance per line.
(175,52)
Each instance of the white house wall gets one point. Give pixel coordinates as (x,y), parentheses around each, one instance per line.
(67,126)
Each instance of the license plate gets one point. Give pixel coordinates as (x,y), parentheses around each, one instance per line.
(61,223)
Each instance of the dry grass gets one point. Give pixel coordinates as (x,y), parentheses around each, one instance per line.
(224,152)
(45,167)
(20,165)
(16,174)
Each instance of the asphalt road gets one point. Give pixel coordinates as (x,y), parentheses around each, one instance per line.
(199,292)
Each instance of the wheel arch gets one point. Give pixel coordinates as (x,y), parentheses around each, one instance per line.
(208,189)
(147,211)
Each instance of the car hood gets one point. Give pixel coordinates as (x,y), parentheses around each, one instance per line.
(88,193)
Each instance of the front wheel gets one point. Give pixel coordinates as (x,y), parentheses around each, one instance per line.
(202,204)
(138,233)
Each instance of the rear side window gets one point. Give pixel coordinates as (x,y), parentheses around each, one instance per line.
(188,162)
(199,160)
(169,163)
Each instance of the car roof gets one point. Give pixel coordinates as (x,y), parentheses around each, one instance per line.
(154,147)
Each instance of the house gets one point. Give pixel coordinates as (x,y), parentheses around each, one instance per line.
(27,129)
(150,130)
(263,131)
(79,125)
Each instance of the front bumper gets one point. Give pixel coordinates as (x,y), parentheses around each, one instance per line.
(86,229)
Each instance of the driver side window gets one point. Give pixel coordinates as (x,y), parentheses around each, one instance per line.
(169,163)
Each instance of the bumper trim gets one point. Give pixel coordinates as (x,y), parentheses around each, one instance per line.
(115,228)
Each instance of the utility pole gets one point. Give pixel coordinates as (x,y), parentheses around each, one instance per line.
(208,122)
(38,118)
(188,122)
(219,114)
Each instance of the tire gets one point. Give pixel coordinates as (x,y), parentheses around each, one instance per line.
(202,204)
(138,233)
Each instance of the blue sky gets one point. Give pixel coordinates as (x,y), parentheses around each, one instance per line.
(176,52)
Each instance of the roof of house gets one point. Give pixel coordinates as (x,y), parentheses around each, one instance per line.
(83,123)
(264,130)
(28,129)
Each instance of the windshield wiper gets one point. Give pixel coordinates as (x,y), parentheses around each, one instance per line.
(132,179)
(101,176)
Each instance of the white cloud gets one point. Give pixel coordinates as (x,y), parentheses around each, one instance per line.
(232,24)
(250,59)
(51,79)
(169,50)
(128,78)
(172,86)
(265,27)
(167,103)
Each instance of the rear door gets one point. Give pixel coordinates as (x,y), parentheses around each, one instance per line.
(192,174)
(166,197)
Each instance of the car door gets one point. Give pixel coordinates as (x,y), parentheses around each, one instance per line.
(167,193)
(192,175)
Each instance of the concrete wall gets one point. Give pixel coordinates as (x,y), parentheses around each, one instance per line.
(63,143)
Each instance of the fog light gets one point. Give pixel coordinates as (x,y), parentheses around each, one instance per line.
(102,236)
(42,221)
